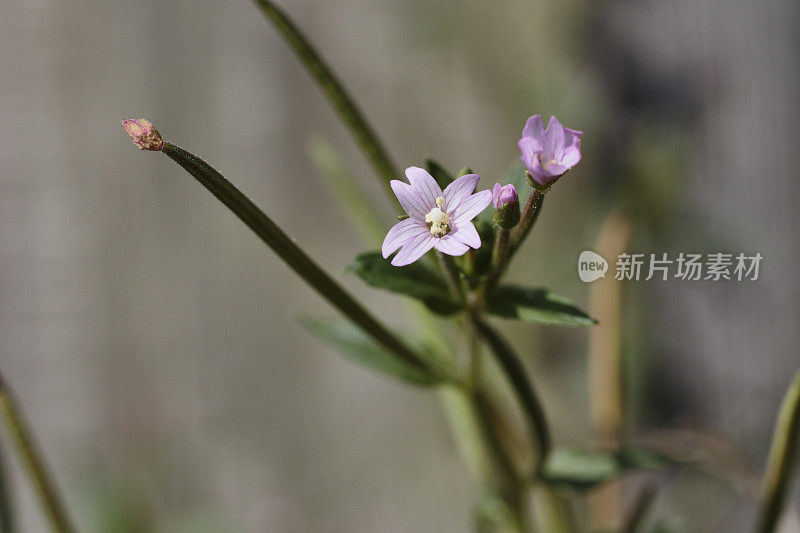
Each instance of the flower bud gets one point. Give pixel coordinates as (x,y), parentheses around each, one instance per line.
(506,205)
(143,133)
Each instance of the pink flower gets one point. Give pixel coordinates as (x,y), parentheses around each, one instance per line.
(437,219)
(548,153)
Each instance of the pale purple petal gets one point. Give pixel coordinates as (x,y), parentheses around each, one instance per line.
(504,195)
(466,233)
(400,234)
(471,207)
(450,245)
(572,147)
(530,148)
(414,249)
(410,199)
(496,194)
(571,157)
(459,189)
(534,127)
(555,170)
(554,139)
(423,182)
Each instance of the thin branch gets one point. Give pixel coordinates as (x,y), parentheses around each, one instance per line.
(337,95)
(32,459)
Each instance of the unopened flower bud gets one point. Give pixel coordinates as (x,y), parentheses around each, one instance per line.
(143,133)
(506,205)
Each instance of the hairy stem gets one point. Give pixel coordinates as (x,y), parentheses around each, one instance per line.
(291,254)
(530,213)
(781,457)
(32,459)
(337,95)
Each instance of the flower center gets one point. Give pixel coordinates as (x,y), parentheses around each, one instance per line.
(438,220)
(545,161)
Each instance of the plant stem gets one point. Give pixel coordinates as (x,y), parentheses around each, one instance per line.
(6,511)
(33,461)
(337,95)
(291,254)
(529,215)
(452,275)
(499,261)
(515,372)
(781,457)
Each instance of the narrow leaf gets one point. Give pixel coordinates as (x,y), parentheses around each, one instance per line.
(443,177)
(334,90)
(583,469)
(274,237)
(782,454)
(536,305)
(353,344)
(415,280)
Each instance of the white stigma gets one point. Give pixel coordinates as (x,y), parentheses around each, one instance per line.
(438,219)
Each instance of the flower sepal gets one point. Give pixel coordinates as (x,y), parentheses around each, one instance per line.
(538,186)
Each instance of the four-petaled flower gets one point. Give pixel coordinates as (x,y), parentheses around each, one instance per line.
(437,219)
(548,153)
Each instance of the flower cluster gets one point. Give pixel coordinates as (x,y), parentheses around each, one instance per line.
(442,219)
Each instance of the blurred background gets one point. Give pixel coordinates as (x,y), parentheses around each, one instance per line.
(153,340)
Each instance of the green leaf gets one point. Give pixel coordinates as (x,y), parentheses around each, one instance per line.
(536,305)
(583,469)
(353,344)
(415,280)
(442,176)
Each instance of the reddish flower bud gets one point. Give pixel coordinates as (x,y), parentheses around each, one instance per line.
(143,133)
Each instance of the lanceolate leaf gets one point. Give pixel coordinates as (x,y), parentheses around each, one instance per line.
(536,305)
(442,176)
(353,344)
(583,469)
(415,280)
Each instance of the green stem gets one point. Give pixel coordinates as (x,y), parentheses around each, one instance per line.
(339,98)
(291,254)
(33,461)
(781,456)
(506,480)
(515,372)
(6,511)
(452,276)
(530,213)
(500,254)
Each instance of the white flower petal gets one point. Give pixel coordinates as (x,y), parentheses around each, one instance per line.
(450,246)
(424,184)
(414,250)
(457,191)
(471,207)
(400,234)
(467,234)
